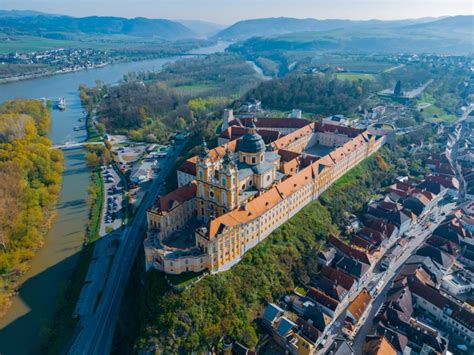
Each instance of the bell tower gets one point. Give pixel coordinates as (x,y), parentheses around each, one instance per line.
(204,170)
(228,182)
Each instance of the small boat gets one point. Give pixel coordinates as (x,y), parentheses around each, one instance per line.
(77,128)
(62,103)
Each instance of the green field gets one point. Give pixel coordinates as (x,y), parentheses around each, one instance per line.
(11,44)
(353,63)
(197,88)
(96,210)
(122,43)
(355,76)
(434,113)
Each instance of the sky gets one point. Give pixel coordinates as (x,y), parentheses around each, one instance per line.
(230,11)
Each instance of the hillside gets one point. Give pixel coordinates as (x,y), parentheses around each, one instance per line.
(139,27)
(22,13)
(446,36)
(455,24)
(283,25)
(273,26)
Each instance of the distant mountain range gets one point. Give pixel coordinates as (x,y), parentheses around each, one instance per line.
(457,24)
(48,25)
(275,26)
(22,13)
(448,36)
(426,34)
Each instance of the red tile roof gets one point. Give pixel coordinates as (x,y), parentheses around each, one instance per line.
(323,299)
(434,297)
(267,122)
(449,182)
(378,345)
(349,131)
(182,194)
(285,141)
(188,167)
(339,277)
(349,251)
(235,132)
(359,305)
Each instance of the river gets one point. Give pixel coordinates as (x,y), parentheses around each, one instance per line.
(35,305)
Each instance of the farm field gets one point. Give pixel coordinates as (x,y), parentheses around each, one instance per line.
(355,76)
(353,64)
(196,89)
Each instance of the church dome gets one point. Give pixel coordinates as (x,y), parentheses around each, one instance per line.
(252,142)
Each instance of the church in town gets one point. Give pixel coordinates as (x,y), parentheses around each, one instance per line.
(232,197)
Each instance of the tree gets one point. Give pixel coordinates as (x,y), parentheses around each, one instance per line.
(398,89)
(100,128)
(181,123)
(93,161)
(10,194)
(108,145)
(30,183)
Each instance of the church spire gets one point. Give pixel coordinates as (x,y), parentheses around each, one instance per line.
(252,127)
(227,157)
(203,153)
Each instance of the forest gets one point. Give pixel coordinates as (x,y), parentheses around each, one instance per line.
(315,94)
(226,306)
(30,184)
(186,95)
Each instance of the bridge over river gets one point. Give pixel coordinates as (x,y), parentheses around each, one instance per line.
(75,145)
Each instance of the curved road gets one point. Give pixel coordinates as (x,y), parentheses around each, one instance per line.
(94,333)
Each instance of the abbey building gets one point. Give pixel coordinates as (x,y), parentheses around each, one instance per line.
(232,197)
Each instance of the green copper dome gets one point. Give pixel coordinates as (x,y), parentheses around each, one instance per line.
(252,142)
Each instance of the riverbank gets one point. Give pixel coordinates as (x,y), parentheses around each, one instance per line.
(33,317)
(31,176)
(48,73)
(96,201)
(219,46)
(11,282)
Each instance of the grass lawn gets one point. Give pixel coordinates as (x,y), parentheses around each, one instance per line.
(434,113)
(355,76)
(96,210)
(92,133)
(184,279)
(197,88)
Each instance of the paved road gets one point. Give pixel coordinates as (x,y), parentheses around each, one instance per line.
(384,279)
(94,333)
(419,234)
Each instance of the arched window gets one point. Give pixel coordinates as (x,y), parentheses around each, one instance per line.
(201,174)
(253,160)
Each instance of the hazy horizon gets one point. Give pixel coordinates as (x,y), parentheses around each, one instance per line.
(218,12)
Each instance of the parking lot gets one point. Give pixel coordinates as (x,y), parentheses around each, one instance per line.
(112,213)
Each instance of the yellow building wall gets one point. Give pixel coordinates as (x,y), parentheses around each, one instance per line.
(227,248)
